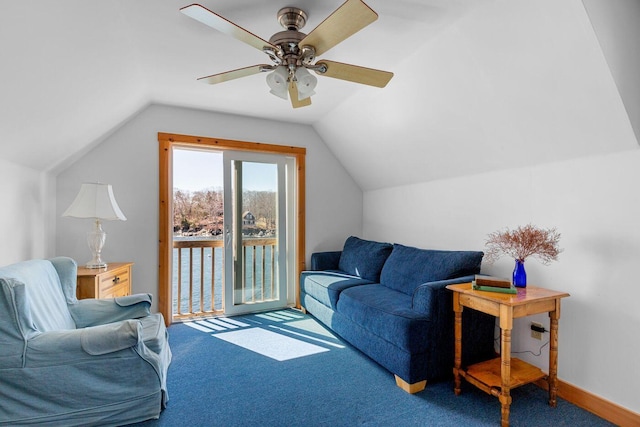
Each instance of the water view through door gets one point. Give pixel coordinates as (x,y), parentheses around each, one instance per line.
(229,239)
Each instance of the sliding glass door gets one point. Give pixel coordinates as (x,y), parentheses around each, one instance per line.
(255,232)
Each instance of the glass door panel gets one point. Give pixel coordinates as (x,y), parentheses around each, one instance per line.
(255,232)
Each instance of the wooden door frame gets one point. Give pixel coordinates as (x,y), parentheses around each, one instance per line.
(167,141)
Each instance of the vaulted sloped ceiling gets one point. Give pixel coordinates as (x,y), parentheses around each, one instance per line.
(618,32)
(514,83)
(479,84)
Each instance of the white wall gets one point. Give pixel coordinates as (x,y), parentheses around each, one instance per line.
(26,230)
(128,159)
(595,205)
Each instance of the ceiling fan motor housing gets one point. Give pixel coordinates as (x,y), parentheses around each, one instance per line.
(293,19)
(288,42)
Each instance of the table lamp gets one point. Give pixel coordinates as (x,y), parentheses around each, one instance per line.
(95,200)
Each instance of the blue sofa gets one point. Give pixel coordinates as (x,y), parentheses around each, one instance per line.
(68,362)
(391,302)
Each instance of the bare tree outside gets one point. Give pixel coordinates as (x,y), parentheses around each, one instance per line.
(201,213)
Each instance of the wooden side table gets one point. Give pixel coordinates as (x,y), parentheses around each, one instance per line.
(498,376)
(112,281)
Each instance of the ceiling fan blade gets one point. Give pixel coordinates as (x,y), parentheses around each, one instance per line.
(215,21)
(293,95)
(356,74)
(235,74)
(344,22)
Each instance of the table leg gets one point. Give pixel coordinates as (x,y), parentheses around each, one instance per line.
(457,309)
(506,325)
(553,355)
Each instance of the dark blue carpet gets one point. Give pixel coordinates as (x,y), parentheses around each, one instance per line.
(212,382)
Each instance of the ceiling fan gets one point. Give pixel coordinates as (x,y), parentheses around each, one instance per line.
(293,53)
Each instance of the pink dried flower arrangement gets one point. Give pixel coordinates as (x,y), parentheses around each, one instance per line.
(523,242)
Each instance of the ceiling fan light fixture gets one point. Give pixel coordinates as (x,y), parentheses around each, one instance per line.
(306,83)
(277,81)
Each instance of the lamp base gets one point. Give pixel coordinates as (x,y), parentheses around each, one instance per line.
(92,264)
(95,240)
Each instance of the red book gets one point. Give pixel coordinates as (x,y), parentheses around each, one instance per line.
(495,282)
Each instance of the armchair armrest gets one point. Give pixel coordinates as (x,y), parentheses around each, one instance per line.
(92,312)
(425,296)
(66,347)
(325,260)
(112,337)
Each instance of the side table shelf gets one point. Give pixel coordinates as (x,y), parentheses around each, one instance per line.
(487,376)
(112,281)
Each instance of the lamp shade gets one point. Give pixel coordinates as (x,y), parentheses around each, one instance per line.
(306,83)
(277,81)
(95,200)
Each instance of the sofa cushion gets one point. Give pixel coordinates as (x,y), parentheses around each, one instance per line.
(364,258)
(407,267)
(326,286)
(387,314)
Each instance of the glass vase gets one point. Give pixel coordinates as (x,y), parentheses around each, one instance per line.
(519,274)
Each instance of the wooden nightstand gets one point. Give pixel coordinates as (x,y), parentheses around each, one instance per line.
(498,376)
(109,282)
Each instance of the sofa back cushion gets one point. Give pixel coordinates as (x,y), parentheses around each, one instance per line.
(43,296)
(364,258)
(409,267)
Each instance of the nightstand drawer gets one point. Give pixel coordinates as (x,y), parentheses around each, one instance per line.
(110,282)
(115,284)
(120,290)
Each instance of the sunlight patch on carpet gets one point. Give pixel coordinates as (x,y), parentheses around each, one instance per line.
(198,326)
(280,316)
(310,325)
(307,336)
(225,324)
(270,344)
(233,321)
(208,324)
(216,324)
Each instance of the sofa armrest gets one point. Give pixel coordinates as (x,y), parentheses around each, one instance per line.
(325,260)
(435,301)
(425,296)
(92,312)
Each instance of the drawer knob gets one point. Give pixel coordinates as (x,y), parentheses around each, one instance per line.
(116,280)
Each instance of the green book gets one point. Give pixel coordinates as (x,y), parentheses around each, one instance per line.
(510,290)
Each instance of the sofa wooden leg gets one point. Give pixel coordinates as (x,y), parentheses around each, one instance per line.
(410,388)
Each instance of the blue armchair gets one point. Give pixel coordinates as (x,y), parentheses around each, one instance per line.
(65,361)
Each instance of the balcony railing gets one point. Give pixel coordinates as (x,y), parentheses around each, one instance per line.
(198,275)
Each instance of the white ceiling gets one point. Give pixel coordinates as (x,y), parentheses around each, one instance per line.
(496,80)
